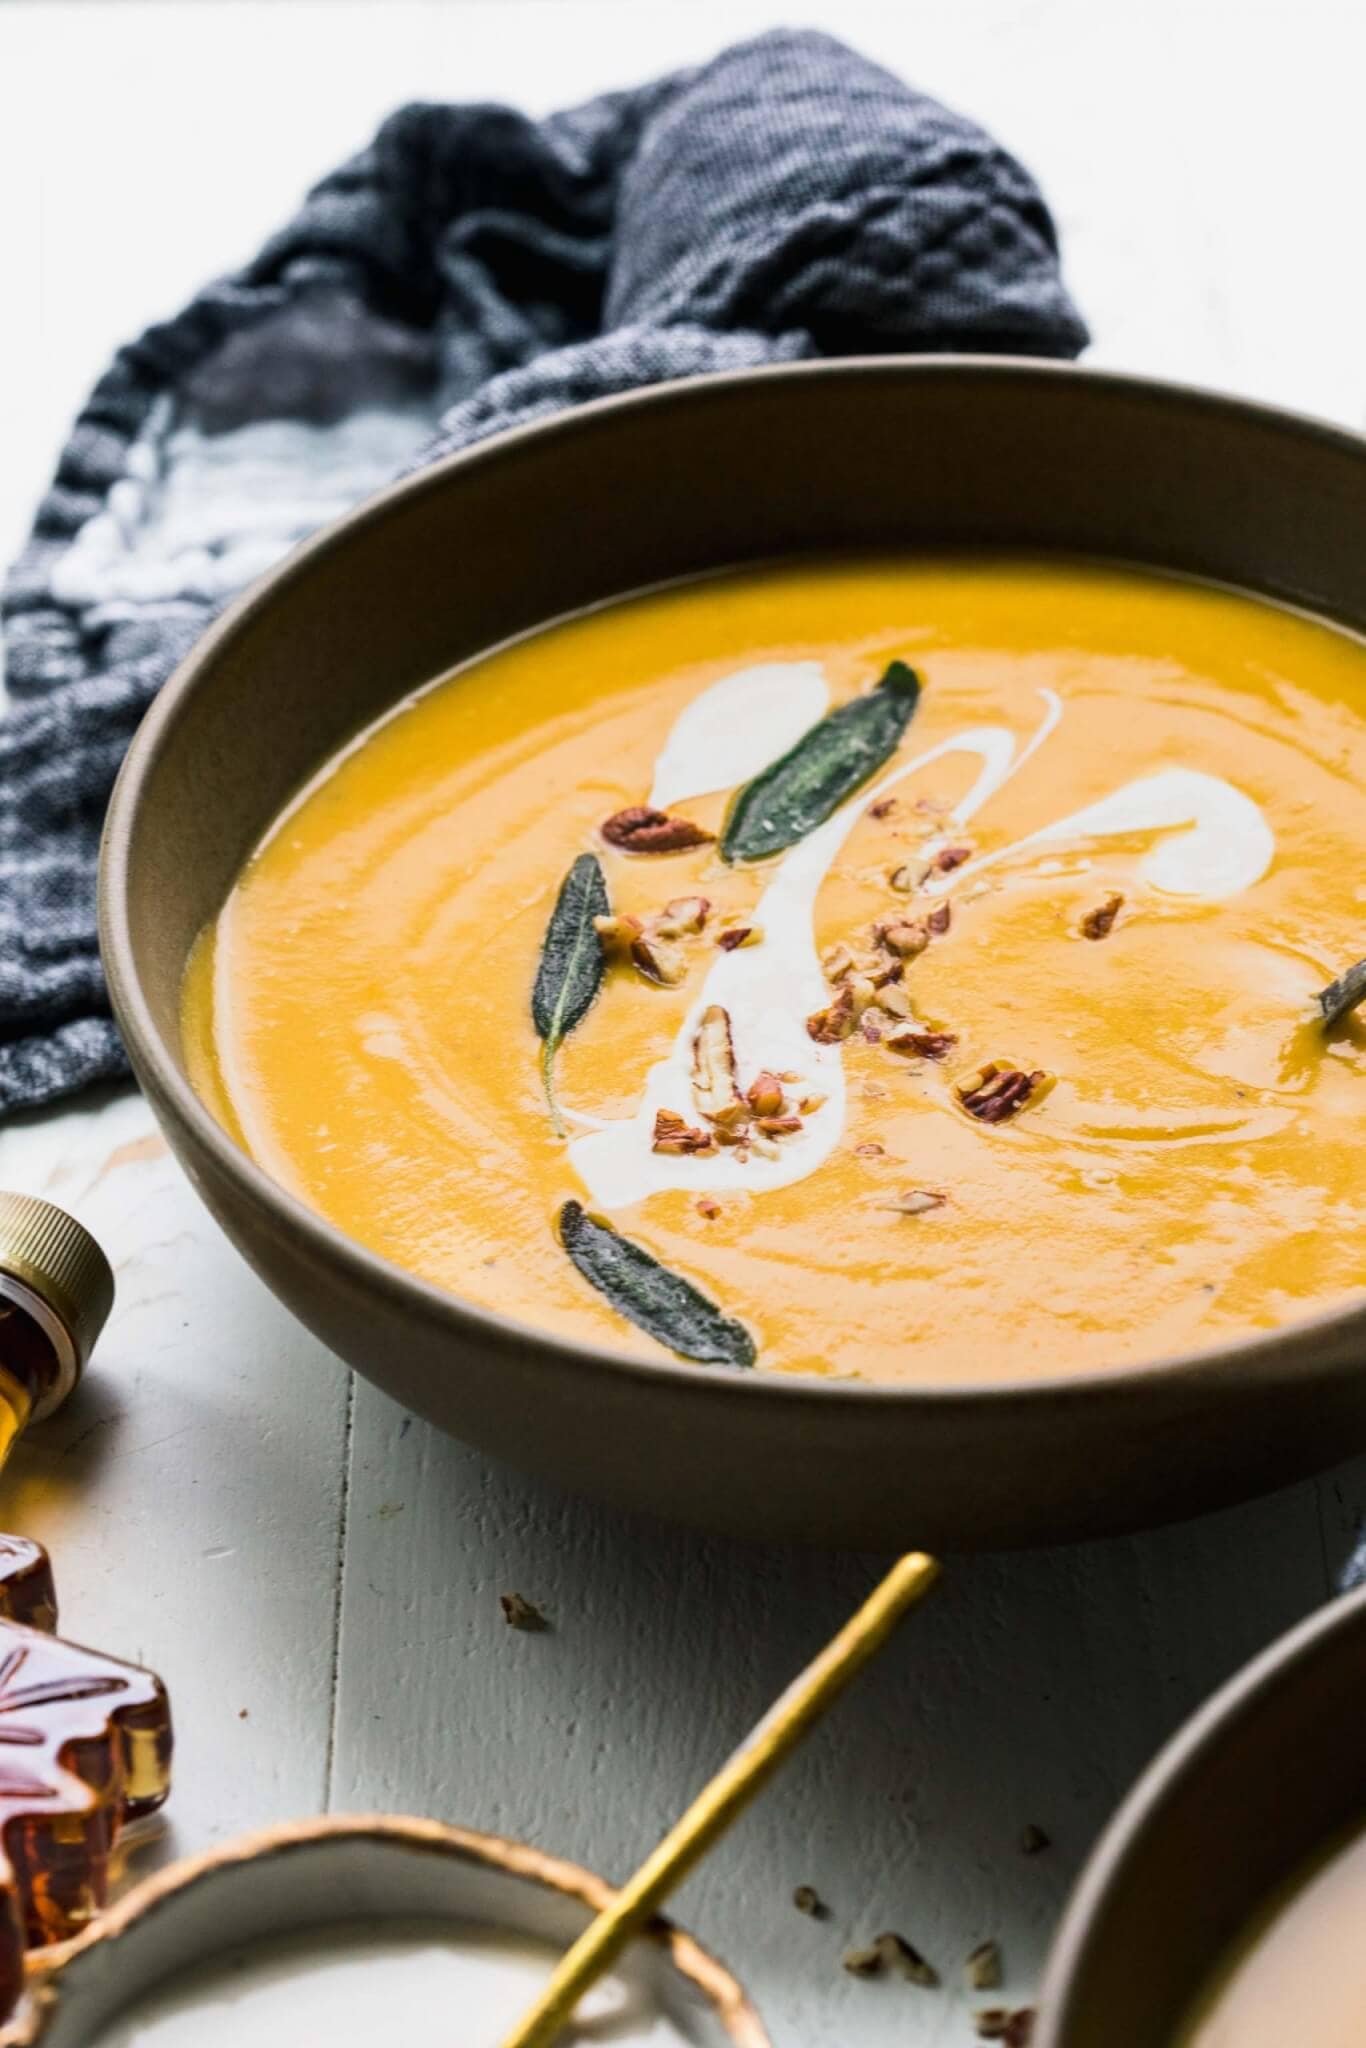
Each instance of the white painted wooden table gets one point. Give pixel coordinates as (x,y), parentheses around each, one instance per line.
(316,1574)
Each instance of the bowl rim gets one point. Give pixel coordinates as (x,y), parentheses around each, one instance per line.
(1176,1768)
(723,1994)
(1276,1353)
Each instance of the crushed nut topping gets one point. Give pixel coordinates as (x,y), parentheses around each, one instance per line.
(870,1150)
(916,1201)
(809,1104)
(871,1029)
(902,880)
(1099,923)
(707,1206)
(713,1069)
(639,829)
(660,959)
(674,1134)
(682,918)
(996,1091)
(883,809)
(898,1954)
(836,1021)
(646,945)
(617,935)
(894,1001)
(925,1045)
(906,937)
(836,962)
(737,935)
(765,1094)
(983,1967)
(939,920)
(950,857)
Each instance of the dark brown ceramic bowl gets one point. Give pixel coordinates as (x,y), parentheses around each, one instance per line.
(608,499)
(1262,1778)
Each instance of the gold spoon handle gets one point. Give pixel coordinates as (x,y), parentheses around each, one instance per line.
(729,1792)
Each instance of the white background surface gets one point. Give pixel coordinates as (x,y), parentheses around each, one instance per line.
(316,1575)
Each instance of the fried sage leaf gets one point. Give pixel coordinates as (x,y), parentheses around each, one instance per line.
(828,763)
(571,969)
(661,1303)
(1344,994)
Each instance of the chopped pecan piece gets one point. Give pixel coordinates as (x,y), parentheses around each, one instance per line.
(765,1094)
(836,1021)
(997,1092)
(674,1134)
(1099,923)
(902,879)
(907,1961)
(682,918)
(950,857)
(926,1045)
(915,1201)
(777,1126)
(869,1150)
(1013,2029)
(713,1070)
(707,1206)
(907,937)
(939,920)
(863,1962)
(659,959)
(894,1001)
(639,829)
(809,1104)
(645,945)
(617,935)
(983,1967)
(882,809)
(737,935)
(870,1028)
(836,962)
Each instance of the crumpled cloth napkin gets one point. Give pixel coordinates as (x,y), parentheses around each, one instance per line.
(469,271)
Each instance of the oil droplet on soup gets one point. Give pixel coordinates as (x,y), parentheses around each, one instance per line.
(1036,997)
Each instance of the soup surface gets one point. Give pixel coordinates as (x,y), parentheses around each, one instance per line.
(1298,1980)
(1016,1069)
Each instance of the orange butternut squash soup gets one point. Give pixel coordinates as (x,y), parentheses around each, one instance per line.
(1297,1979)
(902,969)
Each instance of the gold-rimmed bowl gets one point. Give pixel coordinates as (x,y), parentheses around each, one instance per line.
(614,497)
(344,1877)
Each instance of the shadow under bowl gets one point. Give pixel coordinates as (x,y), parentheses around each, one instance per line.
(673,482)
(1260,1780)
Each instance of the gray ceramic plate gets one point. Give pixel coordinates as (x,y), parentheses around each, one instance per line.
(1263,1777)
(609,499)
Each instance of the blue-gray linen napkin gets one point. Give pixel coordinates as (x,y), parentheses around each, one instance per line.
(469,271)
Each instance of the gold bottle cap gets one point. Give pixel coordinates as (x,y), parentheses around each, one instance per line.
(52,1268)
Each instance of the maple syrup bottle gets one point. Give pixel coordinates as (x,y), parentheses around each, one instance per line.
(85,1740)
(56,1291)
